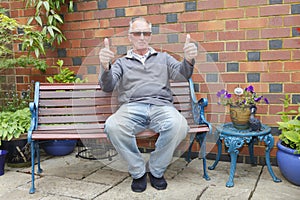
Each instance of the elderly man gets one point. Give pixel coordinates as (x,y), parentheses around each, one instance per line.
(141,79)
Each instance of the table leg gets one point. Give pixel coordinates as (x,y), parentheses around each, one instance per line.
(233,143)
(251,151)
(213,166)
(269,140)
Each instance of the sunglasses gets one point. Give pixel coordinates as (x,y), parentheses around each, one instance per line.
(138,34)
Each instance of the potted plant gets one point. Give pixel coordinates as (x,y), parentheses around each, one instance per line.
(240,102)
(15,122)
(61,147)
(288,153)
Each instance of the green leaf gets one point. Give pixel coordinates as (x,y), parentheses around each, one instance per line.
(46,6)
(39,20)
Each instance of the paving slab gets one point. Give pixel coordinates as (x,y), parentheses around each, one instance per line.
(70,178)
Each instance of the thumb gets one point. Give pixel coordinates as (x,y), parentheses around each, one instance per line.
(188,38)
(106,43)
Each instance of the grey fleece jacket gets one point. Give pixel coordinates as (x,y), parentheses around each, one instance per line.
(145,83)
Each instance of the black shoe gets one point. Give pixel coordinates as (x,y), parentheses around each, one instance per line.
(158,183)
(139,184)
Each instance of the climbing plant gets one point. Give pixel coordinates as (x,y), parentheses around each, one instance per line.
(47,16)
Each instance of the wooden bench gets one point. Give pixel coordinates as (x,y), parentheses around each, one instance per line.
(79,111)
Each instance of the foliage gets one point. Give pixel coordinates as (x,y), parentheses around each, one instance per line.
(24,61)
(65,75)
(15,114)
(13,124)
(46,16)
(241,97)
(11,31)
(290,126)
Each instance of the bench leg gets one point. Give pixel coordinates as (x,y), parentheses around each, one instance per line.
(32,145)
(188,157)
(38,158)
(219,144)
(201,139)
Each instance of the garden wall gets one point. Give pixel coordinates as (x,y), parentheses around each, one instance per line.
(241,42)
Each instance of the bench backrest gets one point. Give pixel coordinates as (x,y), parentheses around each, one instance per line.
(86,106)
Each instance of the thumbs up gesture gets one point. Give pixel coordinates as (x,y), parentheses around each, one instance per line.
(190,49)
(106,55)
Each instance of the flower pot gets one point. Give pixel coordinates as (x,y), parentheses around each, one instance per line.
(288,163)
(3,154)
(59,147)
(240,116)
(18,152)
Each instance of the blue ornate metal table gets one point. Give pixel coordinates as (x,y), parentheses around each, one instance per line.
(235,138)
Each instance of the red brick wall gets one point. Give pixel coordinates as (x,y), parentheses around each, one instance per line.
(250,42)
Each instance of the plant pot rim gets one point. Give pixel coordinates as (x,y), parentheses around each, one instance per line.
(286,149)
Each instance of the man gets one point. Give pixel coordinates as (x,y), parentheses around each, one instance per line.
(141,79)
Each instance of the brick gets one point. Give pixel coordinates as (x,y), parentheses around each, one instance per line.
(296,77)
(230,4)
(252,12)
(253,45)
(295,31)
(172,18)
(102,14)
(230,14)
(61,53)
(232,46)
(232,67)
(153,9)
(232,56)
(275,44)
(74,34)
(295,54)
(117,4)
(232,35)
(134,2)
(120,12)
(291,43)
(211,77)
(213,46)
(104,32)
(212,57)
(77,61)
(275,33)
(291,20)
(253,23)
(276,55)
(275,88)
(291,87)
(252,34)
(191,27)
(89,15)
(252,2)
(190,6)
(253,56)
(292,66)
(102,4)
(190,16)
(151,2)
(119,22)
(276,66)
(276,21)
(253,77)
(254,67)
(136,11)
(295,9)
(210,36)
(275,77)
(172,38)
(274,10)
(233,78)
(167,28)
(296,98)
(275,1)
(231,25)
(172,8)
(209,15)
(76,52)
(89,24)
(91,5)
(211,26)
(211,4)
(156,19)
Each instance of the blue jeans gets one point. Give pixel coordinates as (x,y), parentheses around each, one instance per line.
(133,118)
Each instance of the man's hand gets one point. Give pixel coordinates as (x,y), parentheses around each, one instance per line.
(190,49)
(106,55)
